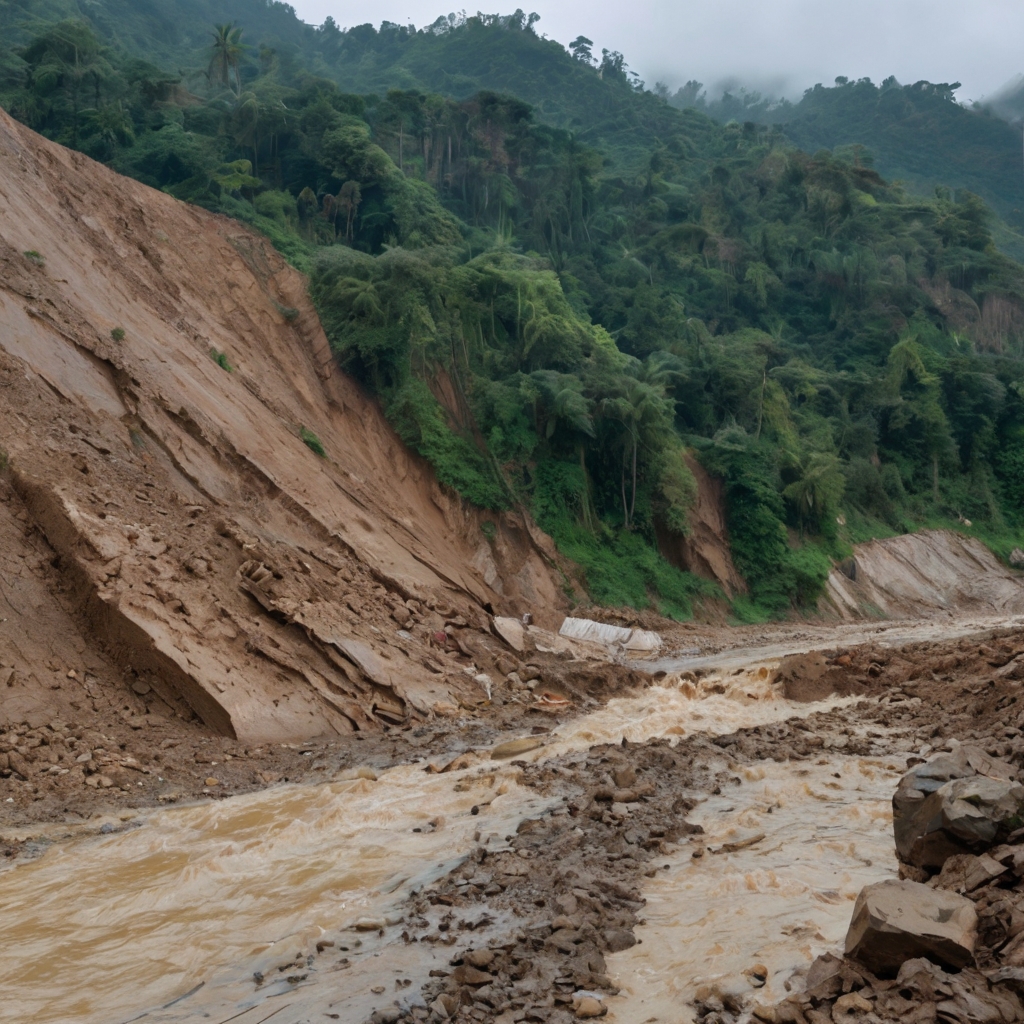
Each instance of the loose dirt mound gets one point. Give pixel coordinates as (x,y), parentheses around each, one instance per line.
(920,574)
(202,553)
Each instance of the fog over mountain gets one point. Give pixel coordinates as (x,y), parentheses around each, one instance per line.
(777,46)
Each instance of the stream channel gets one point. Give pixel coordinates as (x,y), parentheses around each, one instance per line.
(168,921)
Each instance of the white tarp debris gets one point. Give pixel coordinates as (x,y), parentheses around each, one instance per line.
(633,641)
(595,632)
(643,641)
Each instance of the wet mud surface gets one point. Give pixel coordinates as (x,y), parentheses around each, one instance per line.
(536,906)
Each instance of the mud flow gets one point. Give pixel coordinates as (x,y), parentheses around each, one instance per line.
(305,900)
(116,924)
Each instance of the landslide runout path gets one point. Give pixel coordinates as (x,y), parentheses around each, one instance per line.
(524,926)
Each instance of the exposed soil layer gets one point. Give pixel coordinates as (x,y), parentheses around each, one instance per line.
(934,572)
(158,369)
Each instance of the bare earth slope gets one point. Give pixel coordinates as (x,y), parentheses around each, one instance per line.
(206,556)
(921,574)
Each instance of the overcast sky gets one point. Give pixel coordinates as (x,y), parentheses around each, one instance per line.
(782,46)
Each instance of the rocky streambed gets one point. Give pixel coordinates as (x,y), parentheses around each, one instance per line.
(682,851)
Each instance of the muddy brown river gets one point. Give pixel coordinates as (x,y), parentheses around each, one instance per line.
(169,919)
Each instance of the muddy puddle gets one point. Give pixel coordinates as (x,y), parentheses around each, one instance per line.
(110,928)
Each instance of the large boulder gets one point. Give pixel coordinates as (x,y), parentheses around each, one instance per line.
(896,921)
(962,802)
(1017,558)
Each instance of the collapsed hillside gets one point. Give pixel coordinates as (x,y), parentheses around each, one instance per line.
(203,552)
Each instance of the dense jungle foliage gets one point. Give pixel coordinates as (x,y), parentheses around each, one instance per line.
(917,134)
(554,303)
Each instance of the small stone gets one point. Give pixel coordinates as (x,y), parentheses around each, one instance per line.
(479,957)
(852,1001)
(758,975)
(141,688)
(369,924)
(588,1006)
(377,989)
(469,975)
(211,781)
(618,939)
(513,747)
(104,781)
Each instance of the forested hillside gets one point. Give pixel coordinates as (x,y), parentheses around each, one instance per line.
(554,301)
(918,134)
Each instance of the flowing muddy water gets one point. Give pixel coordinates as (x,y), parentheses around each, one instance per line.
(780,902)
(799,639)
(105,929)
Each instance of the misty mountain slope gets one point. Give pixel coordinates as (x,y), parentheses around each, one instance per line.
(207,549)
(917,134)
(171,34)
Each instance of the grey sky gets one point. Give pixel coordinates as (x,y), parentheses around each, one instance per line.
(781,46)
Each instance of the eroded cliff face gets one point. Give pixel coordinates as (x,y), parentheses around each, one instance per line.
(920,575)
(705,549)
(162,515)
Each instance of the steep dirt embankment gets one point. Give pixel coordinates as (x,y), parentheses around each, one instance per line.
(163,527)
(705,550)
(920,574)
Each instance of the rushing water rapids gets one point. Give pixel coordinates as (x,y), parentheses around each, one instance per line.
(108,928)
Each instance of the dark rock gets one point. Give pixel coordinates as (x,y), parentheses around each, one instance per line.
(963,802)
(618,939)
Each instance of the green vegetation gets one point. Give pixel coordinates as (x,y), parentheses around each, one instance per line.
(117,334)
(312,442)
(917,134)
(553,301)
(216,355)
(36,258)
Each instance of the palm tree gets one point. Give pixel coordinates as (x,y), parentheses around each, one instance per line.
(349,199)
(819,488)
(227,53)
(641,408)
(247,126)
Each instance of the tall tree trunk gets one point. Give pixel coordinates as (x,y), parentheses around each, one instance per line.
(760,408)
(632,505)
(625,506)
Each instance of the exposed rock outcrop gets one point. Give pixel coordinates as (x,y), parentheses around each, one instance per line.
(705,550)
